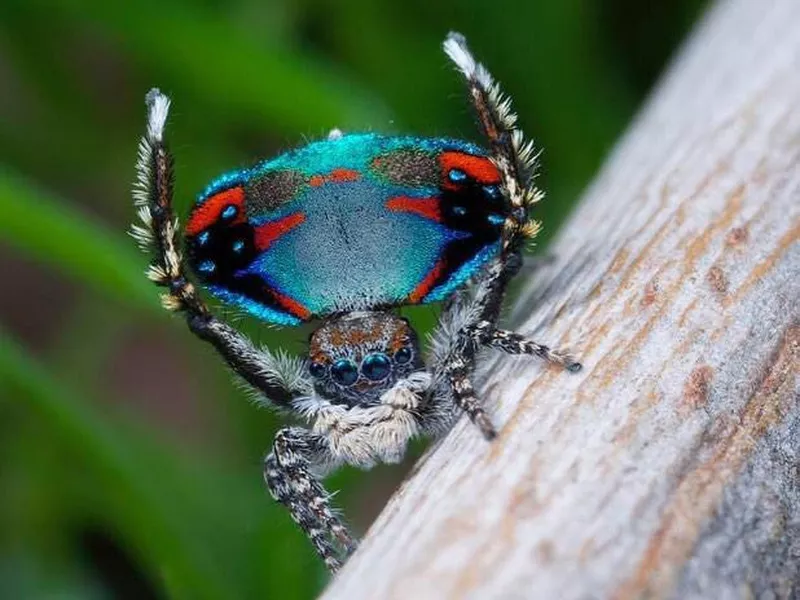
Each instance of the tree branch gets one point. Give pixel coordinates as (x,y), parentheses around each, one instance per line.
(670,466)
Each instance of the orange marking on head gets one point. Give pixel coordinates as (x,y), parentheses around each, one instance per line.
(335,176)
(426,285)
(400,337)
(269,232)
(292,306)
(424,207)
(477,168)
(208,213)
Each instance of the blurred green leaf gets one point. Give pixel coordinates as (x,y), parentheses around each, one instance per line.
(53,233)
(282,88)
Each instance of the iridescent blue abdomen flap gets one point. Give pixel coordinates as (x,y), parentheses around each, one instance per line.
(358,222)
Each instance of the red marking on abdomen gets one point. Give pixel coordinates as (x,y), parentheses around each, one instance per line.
(292,306)
(269,232)
(335,176)
(424,207)
(477,168)
(426,285)
(208,213)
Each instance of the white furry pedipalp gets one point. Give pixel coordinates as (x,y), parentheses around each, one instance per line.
(364,436)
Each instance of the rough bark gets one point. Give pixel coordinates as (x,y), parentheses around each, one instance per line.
(670,467)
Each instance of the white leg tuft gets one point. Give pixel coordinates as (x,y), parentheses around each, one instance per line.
(455,46)
(157,110)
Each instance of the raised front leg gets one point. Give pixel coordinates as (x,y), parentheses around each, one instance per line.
(516,161)
(288,472)
(278,378)
(469,322)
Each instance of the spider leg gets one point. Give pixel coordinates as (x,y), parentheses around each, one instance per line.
(158,232)
(458,371)
(516,161)
(468,322)
(361,436)
(453,355)
(289,477)
(511,342)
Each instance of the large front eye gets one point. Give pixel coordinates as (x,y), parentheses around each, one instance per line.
(376,366)
(317,370)
(344,372)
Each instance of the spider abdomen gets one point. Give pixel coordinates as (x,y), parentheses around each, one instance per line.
(356,222)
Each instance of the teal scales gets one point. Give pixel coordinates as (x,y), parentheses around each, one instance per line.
(357,222)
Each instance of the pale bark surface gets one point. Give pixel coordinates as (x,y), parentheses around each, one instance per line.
(670,467)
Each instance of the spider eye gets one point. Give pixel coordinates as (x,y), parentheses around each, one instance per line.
(317,370)
(344,372)
(376,366)
(402,356)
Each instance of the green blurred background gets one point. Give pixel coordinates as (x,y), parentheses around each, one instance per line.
(129,462)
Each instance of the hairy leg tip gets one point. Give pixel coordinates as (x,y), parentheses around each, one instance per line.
(574,367)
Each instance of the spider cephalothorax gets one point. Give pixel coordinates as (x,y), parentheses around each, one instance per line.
(344,230)
(355,358)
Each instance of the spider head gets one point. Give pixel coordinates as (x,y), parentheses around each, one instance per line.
(356,357)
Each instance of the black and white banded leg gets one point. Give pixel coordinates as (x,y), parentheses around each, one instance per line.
(157,233)
(516,161)
(288,472)
(485,334)
(458,372)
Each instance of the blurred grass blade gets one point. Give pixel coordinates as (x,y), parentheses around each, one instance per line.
(271,83)
(49,231)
